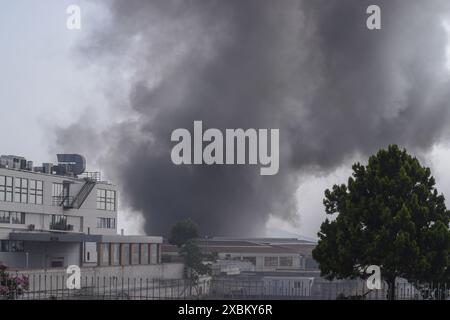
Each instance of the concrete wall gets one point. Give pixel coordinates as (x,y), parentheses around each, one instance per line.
(41,254)
(13,259)
(154,271)
(56,278)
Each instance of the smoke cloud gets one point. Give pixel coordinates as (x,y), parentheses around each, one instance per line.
(310,68)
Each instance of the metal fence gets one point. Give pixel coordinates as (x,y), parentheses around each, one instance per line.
(54,287)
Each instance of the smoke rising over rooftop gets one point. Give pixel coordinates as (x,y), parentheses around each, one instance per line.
(310,68)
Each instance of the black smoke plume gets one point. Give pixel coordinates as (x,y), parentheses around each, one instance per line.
(310,68)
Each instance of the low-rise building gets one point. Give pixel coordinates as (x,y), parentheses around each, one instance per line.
(254,254)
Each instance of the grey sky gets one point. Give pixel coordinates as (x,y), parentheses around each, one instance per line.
(40,83)
(51,76)
(43,84)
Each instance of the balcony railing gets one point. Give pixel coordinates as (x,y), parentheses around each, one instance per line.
(63,201)
(61,226)
(94,176)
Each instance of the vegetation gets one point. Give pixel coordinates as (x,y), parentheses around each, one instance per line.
(12,286)
(391,215)
(183,231)
(184,234)
(194,261)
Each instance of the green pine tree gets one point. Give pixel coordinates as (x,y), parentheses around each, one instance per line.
(389,214)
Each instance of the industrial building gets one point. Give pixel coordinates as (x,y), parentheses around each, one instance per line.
(57,215)
(235,255)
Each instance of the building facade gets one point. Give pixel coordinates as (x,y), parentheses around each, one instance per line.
(59,215)
(235,255)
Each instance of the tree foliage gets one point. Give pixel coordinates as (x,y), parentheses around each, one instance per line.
(193,259)
(183,231)
(184,234)
(389,214)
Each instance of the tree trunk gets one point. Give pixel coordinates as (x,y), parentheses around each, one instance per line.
(391,283)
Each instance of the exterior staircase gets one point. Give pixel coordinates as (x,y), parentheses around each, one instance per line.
(82,195)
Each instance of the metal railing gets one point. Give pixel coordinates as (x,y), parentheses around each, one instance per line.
(43,286)
(54,287)
(61,226)
(318,289)
(92,175)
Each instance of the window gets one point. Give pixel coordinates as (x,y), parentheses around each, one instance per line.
(286,262)
(57,189)
(12,217)
(21,192)
(16,246)
(106,199)
(11,246)
(106,223)
(59,193)
(36,191)
(110,200)
(17,218)
(270,261)
(5,217)
(4,246)
(101,199)
(6,188)
(58,263)
(252,260)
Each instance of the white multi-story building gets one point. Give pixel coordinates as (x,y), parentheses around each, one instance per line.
(59,215)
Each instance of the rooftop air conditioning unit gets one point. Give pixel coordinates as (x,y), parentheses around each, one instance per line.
(31,227)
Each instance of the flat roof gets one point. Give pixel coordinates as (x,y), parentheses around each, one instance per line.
(237,249)
(80,237)
(56,175)
(54,237)
(117,238)
(268,275)
(264,240)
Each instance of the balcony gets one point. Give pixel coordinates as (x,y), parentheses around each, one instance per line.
(61,226)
